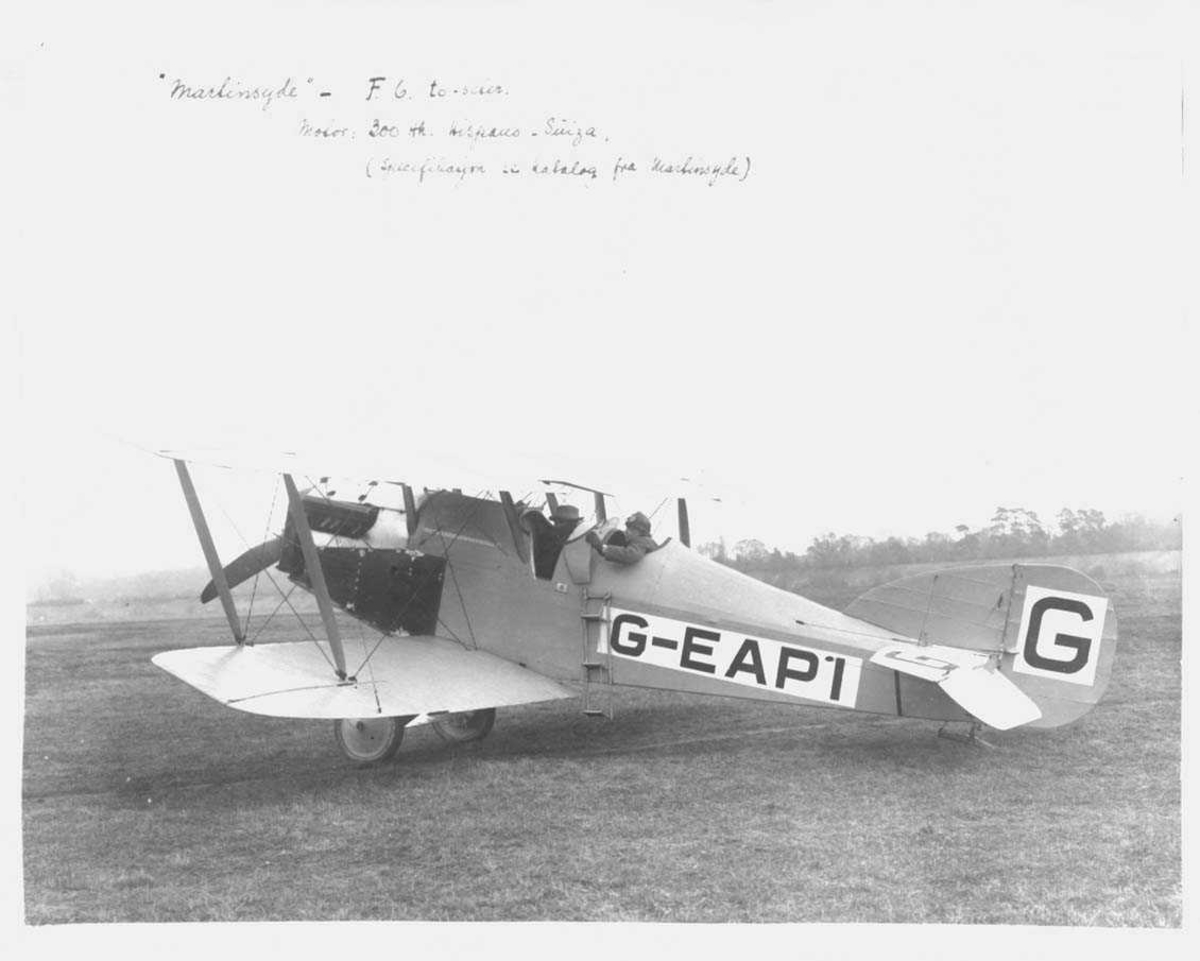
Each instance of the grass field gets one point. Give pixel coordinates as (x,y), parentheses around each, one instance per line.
(145,801)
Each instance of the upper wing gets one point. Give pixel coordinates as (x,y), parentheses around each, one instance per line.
(511,471)
(405,676)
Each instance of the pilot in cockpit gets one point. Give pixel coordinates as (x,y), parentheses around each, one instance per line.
(626,547)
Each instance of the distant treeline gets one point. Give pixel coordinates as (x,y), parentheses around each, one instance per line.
(1013,532)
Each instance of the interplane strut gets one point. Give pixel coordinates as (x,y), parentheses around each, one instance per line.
(210,550)
(316,576)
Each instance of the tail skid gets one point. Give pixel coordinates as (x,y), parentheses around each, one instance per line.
(971,738)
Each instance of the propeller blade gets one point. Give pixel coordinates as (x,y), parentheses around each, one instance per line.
(247,565)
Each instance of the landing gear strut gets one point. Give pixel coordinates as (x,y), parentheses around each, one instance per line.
(373,740)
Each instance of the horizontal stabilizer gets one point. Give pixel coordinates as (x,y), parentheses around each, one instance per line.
(991,697)
(255,560)
(405,676)
(966,676)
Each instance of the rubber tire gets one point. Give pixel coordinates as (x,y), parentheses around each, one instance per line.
(464,727)
(368,741)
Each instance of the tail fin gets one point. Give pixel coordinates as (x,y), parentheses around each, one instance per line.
(1053,629)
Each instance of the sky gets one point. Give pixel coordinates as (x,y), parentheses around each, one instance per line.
(949,281)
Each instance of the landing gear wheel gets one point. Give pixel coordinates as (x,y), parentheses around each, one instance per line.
(464,727)
(370,740)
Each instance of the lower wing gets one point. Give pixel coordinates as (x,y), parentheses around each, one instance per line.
(405,676)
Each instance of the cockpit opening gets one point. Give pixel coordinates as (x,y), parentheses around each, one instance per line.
(549,535)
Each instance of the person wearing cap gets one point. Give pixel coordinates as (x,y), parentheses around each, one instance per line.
(565,518)
(635,544)
(548,536)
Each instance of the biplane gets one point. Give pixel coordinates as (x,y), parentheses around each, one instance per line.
(481,602)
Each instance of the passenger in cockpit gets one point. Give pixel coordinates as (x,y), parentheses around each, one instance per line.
(549,536)
(628,547)
(565,519)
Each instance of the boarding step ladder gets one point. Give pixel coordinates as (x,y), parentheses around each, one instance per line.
(597,673)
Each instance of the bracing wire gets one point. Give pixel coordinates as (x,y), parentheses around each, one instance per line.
(370,668)
(242,538)
(262,627)
(266,532)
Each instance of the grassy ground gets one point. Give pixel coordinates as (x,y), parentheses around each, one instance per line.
(144,801)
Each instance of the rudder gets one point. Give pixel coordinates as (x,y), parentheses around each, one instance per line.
(1060,642)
